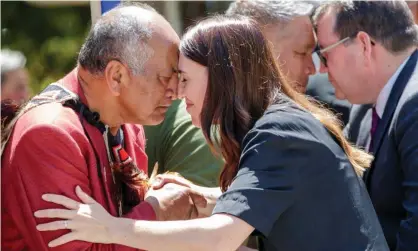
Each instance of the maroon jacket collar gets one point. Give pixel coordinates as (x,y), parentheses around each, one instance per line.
(70,81)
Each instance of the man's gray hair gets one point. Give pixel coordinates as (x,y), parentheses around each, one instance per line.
(121,34)
(390,23)
(272,12)
(10,61)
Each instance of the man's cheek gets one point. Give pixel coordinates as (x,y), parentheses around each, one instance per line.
(339,94)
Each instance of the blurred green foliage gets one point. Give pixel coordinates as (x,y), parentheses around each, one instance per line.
(50,37)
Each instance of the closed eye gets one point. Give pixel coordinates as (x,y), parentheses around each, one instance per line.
(182,78)
(301,53)
(165,77)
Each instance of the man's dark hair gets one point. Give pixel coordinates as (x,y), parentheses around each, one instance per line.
(390,23)
(121,34)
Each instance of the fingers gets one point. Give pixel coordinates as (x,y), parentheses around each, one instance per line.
(193,212)
(64,239)
(61,200)
(85,198)
(158,183)
(56,213)
(162,179)
(198,199)
(57,225)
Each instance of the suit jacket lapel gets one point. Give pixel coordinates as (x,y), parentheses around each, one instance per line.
(392,102)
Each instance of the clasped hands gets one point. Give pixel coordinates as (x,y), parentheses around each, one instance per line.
(175,198)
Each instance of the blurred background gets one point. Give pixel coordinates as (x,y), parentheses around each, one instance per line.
(50,33)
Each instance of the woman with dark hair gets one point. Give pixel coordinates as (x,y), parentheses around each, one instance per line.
(290,177)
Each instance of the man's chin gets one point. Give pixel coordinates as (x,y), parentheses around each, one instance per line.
(340,95)
(151,121)
(156,118)
(154,122)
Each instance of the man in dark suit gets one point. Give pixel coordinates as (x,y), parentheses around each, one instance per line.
(287,25)
(368,49)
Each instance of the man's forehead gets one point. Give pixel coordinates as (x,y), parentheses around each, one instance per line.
(163,30)
(294,26)
(165,39)
(324,28)
(300,32)
(289,32)
(165,57)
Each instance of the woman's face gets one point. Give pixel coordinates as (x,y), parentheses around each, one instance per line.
(192,86)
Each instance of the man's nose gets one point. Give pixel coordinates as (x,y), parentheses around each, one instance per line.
(172,87)
(310,67)
(323,68)
(181,93)
(181,90)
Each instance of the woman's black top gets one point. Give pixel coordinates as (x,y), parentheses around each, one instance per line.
(297,188)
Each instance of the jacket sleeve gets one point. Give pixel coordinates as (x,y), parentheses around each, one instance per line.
(49,159)
(407,143)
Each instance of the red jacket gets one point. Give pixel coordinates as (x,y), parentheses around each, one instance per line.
(49,152)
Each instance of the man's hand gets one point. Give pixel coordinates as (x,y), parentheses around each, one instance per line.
(160,180)
(210,194)
(175,202)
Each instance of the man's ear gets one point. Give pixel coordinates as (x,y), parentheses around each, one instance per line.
(366,45)
(116,75)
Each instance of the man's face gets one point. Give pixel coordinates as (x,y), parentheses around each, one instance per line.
(345,65)
(152,92)
(15,86)
(292,47)
(413,5)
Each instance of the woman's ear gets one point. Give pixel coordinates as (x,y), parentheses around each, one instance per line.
(116,75)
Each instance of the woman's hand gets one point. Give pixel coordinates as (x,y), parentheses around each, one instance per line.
(88,222)
(160,180)
(210,194)
(175,202)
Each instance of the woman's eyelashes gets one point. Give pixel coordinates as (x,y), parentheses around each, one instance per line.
(302,54)
(183,79)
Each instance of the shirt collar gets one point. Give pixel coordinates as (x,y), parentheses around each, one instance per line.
(383,97)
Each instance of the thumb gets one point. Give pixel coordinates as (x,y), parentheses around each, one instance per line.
(198,199)
(85,198)
(157,183)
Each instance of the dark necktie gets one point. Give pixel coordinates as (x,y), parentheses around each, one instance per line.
(375,122)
